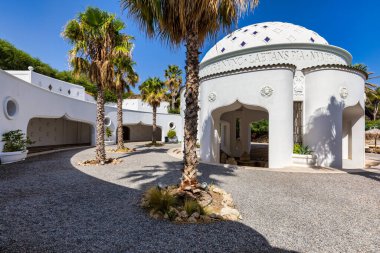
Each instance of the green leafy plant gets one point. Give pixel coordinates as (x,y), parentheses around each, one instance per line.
(171,134)
(372,124)
(160,200)
(192,206)
(301,150)
(15,141)
(108,132)
(174,110)
(260,127)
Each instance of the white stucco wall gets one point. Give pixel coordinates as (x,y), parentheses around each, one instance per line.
(245,88)
(139,105)
(45,82)
(324,105)
(36,102)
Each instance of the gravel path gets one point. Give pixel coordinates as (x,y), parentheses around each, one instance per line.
(50,204)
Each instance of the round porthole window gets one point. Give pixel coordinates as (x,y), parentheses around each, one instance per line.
(171,125)
(107,121)
(10,107)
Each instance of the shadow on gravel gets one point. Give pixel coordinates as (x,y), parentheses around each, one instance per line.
(366,174)
(47,205)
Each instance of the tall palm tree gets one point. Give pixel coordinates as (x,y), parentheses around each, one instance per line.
(153,92)
(95,36)
(173,75)
(125,78)
(189,22)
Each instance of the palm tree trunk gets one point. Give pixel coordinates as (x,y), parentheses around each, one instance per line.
(189,175)
(173,102)
(100,148)
(154,124)
(120,138)
(375,110)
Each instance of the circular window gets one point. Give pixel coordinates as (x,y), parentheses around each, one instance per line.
(107,121)
(171,125)
(10,107)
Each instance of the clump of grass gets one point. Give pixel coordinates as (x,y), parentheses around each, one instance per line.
(192,206)
(160,200)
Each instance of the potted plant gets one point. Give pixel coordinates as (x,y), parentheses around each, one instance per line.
(172,136)
(14,149)
(303,155)
(108,140)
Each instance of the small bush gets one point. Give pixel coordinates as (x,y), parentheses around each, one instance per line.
(15,141)
(192,206)
(108,132)
(174,110)
(301,150)
(172,134)
(160,200)
(372,124)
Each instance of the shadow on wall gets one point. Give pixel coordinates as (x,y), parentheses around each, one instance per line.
(73,211)
(323,134)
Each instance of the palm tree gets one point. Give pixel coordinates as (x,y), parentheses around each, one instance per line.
(189,22)
(372,92)
(173,82)
(95,36)
(153,92)
(125,78)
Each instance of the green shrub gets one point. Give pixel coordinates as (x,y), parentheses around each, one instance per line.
(172,134)
(301,150)
(372,124)
(192,206)
(174,110)
(15,141)
(160,200)
(108,132)
(260,127)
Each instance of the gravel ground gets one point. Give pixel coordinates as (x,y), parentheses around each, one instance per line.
(50,204)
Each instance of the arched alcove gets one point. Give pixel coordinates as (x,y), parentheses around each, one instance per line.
(50,133)
(232,134)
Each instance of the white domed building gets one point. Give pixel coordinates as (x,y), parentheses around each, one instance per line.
(292,77)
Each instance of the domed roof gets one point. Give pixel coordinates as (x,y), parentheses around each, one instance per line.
(263,34)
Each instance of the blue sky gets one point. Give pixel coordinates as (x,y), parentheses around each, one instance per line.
(35,26)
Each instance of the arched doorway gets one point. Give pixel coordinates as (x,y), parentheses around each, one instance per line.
(353,141)
(237,144)
(141,132)
(55,133)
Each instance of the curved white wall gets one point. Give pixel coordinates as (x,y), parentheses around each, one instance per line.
(37,102)
(328,92)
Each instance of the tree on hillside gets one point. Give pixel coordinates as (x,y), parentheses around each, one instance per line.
(153,92)
(189,23)
(173,75)
(95,36)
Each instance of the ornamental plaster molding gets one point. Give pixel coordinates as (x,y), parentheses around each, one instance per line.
(343,92)
(345,68)
(212,97)
(266,91)
(290,67)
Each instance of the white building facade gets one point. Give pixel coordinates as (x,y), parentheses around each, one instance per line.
(55,113)
(292,77)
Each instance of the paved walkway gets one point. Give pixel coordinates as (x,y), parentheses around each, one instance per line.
(50,204)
